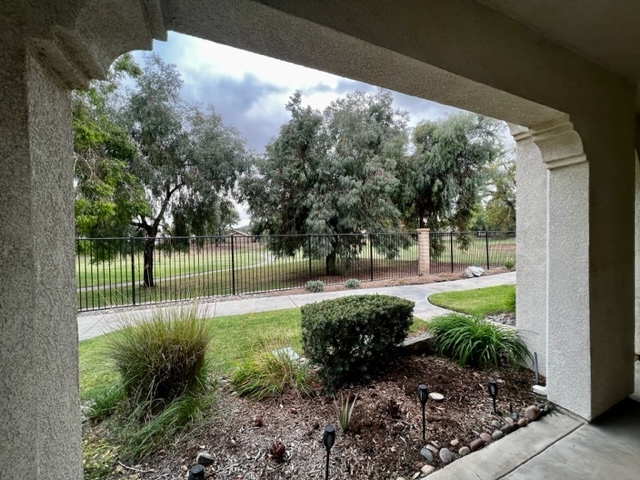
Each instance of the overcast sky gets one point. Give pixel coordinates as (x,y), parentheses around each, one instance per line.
(250,91)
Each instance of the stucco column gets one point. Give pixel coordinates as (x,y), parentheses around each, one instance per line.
(39,404)
(531,245)
(637,254)
(424,254)
(589,265)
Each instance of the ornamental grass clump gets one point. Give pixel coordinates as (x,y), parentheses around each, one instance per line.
(477,342)
(162,358)
(272,368)
(354,338)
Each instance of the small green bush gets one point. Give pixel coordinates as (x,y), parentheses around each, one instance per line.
(271,370)
(509,263)
(477,342)
(314,286)
(161,358)
(353,338)
(352,283)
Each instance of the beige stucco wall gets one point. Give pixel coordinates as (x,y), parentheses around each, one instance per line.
(39,402)
(531,247)
(637,257)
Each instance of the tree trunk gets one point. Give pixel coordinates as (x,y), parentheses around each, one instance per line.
(149,247)
(330,263)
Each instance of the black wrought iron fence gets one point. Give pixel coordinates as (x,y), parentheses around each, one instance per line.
(113,272)
(455,251)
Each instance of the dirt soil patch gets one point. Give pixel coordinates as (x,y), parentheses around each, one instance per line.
(384,440)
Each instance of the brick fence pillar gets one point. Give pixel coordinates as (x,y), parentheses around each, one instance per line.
(424,260)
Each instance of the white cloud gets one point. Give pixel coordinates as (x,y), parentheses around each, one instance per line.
(251,90)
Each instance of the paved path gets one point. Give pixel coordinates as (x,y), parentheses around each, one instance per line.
(92,324)
(560,447)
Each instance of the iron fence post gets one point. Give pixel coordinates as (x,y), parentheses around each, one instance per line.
(133,270)
(309,255)
(486,238)
(371,256)
(451,245)
(233,269)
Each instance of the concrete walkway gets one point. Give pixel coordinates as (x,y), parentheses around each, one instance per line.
(92,324)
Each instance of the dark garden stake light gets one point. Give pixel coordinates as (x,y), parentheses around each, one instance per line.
(328,438)
(423,395)
(492,385)
(196,472)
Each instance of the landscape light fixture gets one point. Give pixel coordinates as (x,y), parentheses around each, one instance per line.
(423,396)
(196,472)
(328,438)
(492,386)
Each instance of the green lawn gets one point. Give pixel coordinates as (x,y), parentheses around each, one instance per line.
(479,302)
(501,252)
(118,270)
(231,340)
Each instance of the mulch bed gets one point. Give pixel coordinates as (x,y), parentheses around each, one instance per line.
(384,441)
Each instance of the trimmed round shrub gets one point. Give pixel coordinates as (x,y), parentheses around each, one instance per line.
(352,283)
(354,338)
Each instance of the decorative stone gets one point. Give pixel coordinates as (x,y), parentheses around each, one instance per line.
(427,469)
(436,397)
(446,456)
(432,448)
(507,429)
(496,424)
(472,271)
(497,435)
(477,444)
(510,421)
(286,353)
(464,451)
(455,442)
(532,413)
(522,422)
(436,444)
(205,458)
(486,437)
(426,453)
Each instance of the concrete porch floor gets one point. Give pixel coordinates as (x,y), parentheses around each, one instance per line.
(561,447)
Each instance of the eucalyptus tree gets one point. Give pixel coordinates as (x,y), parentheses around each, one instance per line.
(187,160)
(107,194)
(330,174)
(443,178)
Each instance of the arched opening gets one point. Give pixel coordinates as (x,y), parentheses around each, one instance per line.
(489,64)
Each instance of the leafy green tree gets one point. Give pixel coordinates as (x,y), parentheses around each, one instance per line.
(188,161)
(501,206)
(108,196)
(330,174)
(443,179)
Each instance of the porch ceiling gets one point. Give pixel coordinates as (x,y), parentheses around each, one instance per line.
(605,32)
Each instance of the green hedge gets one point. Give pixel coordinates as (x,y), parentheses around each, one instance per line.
(354,338)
